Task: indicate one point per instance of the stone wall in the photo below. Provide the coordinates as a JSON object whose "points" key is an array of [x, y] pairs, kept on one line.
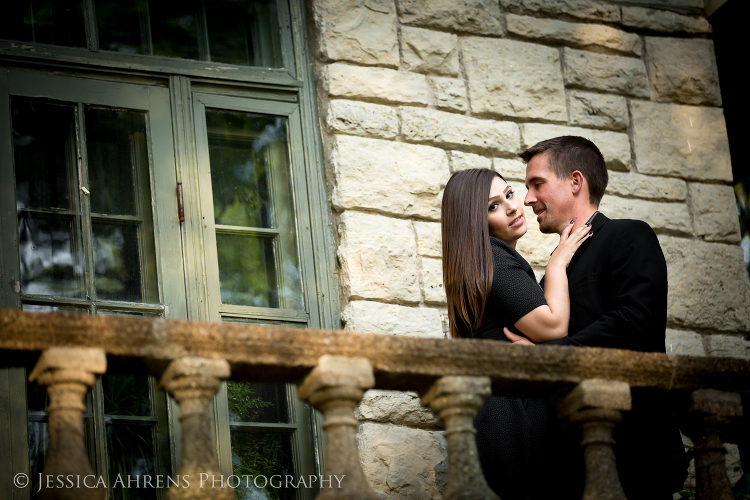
{"points": [[413, 90]]}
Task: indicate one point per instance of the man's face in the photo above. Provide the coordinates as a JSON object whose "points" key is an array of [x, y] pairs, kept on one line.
{"points": [[550, 197]]}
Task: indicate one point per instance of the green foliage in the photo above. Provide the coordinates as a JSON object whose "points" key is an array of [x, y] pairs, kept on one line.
{"points": [[244, 405]]}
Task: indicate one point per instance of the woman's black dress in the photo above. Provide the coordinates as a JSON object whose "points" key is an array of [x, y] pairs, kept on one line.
{"points": [[521, 442]]}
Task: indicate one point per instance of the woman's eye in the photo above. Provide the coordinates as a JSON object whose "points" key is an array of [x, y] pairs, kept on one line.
{"points": [[493, 207], [509, 195]]}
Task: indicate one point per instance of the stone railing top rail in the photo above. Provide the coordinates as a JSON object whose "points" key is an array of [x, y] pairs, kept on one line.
{"points": [[277, 354]]}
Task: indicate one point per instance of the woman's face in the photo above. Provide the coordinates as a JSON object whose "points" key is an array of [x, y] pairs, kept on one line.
{"points": [[505, 213]]}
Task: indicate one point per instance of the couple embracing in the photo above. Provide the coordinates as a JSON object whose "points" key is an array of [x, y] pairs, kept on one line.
{"points": [[605, 286]]}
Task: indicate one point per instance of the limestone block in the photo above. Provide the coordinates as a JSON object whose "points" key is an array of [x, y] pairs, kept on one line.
{"points": [[714, 209], [680, 5], [391, 177], [382, 84], [374, 317], [363, 32], [403, 463], [378, 258], [429, 239], [683, 70], [463, 161], [672, 217], [615, 146], [727, 346], [432, 279], [453, 130], [501, 82], [534, 246], [469, 16], [449, 93], [664, 21], [632, 185], [582, 9], [395, 407], [682, 343], [426, 51], [581, 35], [621, 75], [362, 118], [512, 170], [708, 285], [734, 463], [681, 141], [598, 110]]}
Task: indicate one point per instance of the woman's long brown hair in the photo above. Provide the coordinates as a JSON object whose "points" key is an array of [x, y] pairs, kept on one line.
{"points": [[467, 254]]}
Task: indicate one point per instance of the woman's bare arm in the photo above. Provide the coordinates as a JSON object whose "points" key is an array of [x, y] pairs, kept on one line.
{"points": [[550, 321]]}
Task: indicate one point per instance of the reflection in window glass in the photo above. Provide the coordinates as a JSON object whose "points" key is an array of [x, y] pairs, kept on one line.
{"points": [[261, 454], [126, 395], [242, 32], [251, 186], [255, 402], [50, 255], [130, 450], [44, 154], [56, 22]]}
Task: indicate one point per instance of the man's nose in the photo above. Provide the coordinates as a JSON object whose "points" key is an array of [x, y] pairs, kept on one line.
{"points": [[530, 199]]}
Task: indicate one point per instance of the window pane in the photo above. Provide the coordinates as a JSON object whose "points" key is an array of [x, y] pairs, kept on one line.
{"points": [[123, 26], [253, 402], [265, 454], [244, 32], [117, 159], [241, 170], [44, 155], [117, 264], [126, 395], [38, 443], [130, 450], [247, 273], [50, 255], [174, 28], [58, 22]]}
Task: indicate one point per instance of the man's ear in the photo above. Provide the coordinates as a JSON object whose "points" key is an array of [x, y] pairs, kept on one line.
{"points": [[577, 181]]}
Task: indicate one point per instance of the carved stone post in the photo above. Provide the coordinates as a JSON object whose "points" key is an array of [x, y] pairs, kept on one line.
{"points": [[193, 382], [709, 414], [456, 400], [68, 372], [596, 406], [335, 387]]}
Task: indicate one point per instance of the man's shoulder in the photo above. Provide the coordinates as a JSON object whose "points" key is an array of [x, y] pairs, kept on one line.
{"points": [[629, 227]]}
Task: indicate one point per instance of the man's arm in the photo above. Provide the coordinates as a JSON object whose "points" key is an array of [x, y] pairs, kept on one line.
{"points": [[638, 290]]}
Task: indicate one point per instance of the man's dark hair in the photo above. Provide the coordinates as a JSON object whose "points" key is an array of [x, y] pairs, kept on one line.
{"points": [[569, 153]]}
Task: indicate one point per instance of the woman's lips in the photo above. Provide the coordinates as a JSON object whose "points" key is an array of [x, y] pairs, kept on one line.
{"points": [[517, 221]]}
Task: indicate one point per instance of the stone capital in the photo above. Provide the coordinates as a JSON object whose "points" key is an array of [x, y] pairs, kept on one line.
{"points": [[596, 393]]}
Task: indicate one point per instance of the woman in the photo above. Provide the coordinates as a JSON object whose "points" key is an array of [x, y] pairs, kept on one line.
{"points": [[489, 286]]}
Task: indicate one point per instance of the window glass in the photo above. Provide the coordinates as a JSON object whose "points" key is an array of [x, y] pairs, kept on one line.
{"points": [[52, 216], [253, 210], [56, 22], [262, 455], [242, 32]]}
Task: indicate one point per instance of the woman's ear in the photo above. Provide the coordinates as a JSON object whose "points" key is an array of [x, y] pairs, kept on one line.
{"points": [[577, 181]]}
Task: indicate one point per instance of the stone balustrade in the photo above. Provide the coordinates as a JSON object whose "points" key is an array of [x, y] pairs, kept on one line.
{"points": [[334, 368]]}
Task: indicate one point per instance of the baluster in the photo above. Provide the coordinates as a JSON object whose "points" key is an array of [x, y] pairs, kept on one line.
{"points": [[709, 413], [334, 387], [68, 372], [193, 382], [596, 406], [456, 400]]}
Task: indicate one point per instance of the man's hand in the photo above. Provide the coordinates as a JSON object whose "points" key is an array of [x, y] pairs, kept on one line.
{"points": [[517, 339]]}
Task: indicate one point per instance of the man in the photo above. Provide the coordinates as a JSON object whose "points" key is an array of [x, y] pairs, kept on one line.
{"points": [[617, 282]]}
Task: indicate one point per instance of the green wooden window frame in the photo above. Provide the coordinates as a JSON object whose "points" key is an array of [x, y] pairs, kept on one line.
{"points": [[171, 91]]}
